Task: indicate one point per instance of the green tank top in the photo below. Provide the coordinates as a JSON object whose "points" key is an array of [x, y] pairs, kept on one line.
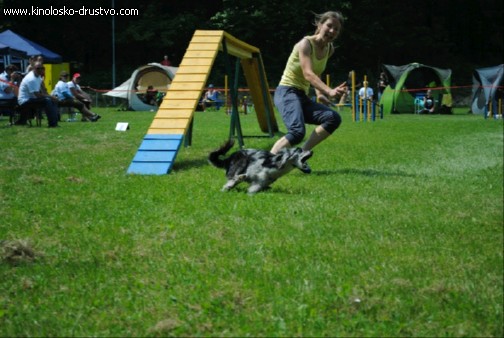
{"points": [[293, 74]]}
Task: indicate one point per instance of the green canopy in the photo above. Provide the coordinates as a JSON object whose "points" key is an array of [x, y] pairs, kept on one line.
{"points": [[410, 81]]}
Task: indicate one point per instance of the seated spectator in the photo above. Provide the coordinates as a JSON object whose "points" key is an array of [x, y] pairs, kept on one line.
{"points": [[32, 96], [77, 91], [31, 63], [428, 103], [366, 93], [9, 82], [150, 96], [7, 72], [211, 97], [66, 99], [159, 97]]}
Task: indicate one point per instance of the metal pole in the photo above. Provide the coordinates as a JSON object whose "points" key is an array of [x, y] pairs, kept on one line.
{"points": [[353, 100], [113, 55]]}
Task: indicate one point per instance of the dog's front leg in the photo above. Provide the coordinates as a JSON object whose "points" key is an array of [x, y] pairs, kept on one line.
{"points": [[233, 182], [254, 188]]}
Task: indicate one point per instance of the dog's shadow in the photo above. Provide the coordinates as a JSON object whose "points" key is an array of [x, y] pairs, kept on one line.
{"points": [[299, 190], [198, 163], [362, 172], [271, 190], [190, 164]]}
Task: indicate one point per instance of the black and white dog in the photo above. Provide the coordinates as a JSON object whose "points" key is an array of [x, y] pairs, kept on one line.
{"points": [[260, 168]]}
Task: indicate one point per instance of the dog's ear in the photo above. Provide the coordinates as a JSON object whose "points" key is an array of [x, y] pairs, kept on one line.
{"points": [[294, 152], [280, 159], [305, 155]]}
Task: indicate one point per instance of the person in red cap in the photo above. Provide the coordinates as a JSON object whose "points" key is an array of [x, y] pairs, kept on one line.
{"points": [[77, 91], [66, 99]]}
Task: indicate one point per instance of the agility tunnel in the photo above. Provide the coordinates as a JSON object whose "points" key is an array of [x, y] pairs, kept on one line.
{"points": [[172, 122]]}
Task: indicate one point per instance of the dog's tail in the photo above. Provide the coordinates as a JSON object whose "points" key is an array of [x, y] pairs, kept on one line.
{"points": [[214, 157]]}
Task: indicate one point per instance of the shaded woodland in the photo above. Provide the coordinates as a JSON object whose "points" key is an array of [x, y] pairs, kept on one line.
{"points": [[461, 35]]}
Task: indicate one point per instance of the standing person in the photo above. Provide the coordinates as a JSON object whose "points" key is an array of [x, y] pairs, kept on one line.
{"points": [[31, 94], [366, 93], [166, 61], [306, 63], [382, 84]]}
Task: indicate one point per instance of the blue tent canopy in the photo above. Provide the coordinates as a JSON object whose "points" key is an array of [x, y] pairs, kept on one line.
{"points": [[6, 50], [9, 55], [16, 41]]}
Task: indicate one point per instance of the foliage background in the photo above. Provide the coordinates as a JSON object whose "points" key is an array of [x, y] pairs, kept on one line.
{"points": [[461, 35]]}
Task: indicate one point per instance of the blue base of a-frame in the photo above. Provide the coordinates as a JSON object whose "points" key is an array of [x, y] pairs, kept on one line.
{"points": [[156, 154]]}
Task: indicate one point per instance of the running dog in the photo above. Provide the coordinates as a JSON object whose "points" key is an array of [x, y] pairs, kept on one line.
{"points": [[260, 168]]}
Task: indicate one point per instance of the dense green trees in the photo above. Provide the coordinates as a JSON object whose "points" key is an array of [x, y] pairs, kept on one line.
{"points": [[456, 34]]}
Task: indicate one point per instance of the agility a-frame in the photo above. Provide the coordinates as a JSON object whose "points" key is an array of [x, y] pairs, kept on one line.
{"points": [[173, 122]]}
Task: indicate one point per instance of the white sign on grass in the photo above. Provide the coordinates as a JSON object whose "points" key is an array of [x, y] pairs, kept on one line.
{"points": [[122, 126]]}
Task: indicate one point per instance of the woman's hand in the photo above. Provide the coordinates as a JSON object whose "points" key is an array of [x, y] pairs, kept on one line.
{"points": [[338, 91]]}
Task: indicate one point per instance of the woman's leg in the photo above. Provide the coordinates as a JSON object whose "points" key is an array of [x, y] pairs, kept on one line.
{"points": [[288, 101], [326, 120], [317, 136], [281, 143]]}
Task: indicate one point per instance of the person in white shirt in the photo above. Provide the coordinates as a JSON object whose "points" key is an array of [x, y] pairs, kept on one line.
{"points": [[211, 97], [31, 95], [77, 91], [366, 93], [66, 99], [8, 87], [9, 81]]}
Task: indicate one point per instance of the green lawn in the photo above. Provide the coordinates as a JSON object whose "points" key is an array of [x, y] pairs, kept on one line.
{"points": [[397, 232]]}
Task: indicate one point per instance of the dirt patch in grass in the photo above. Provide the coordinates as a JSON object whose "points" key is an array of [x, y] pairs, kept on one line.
{"points": [[18, 251]]}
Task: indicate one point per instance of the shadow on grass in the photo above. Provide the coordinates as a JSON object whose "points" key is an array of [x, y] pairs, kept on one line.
{"points": [[190, 164], [363, 172], [271, 190]]}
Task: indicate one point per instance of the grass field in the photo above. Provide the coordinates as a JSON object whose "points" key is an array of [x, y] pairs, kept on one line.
{"points": [[397, 232]]}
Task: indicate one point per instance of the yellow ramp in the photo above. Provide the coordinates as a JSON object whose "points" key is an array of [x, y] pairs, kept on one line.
{"points": [[164, 136], [178, 106]]}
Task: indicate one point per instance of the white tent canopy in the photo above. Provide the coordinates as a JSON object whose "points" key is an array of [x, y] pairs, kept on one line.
{"points": [[152, 74], [485, 84]]}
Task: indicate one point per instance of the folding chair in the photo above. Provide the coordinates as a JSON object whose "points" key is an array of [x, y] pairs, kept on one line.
{"points": [[27, 113], [419, 102]]}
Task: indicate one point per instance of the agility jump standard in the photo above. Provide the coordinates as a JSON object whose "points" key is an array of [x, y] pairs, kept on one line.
{"points": [[173, 121], [366, 108]]}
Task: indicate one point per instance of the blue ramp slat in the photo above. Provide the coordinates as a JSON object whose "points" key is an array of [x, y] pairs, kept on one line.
{"points": [[164, 137], [149, 168], [160, 145], [154, 156]]}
